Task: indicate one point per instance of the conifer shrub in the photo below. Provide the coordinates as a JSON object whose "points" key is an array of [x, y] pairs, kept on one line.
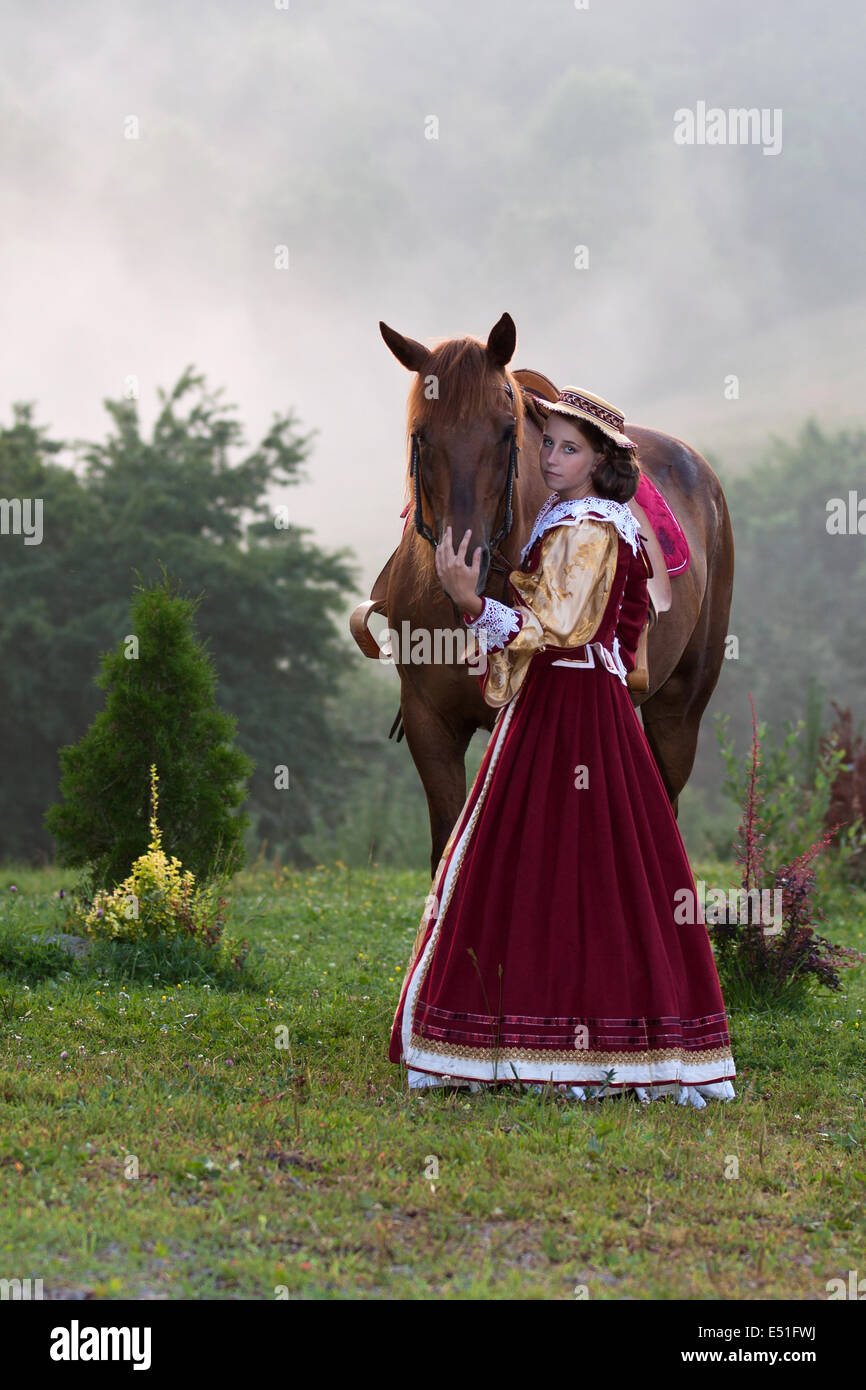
{"points": [[160, 709]]}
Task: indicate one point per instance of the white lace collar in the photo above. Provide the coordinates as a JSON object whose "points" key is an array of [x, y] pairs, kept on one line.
{"points": [[554, 511]]}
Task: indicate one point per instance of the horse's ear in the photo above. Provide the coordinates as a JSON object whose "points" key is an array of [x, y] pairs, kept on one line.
{"points": [[502, 341], [412, 355]]}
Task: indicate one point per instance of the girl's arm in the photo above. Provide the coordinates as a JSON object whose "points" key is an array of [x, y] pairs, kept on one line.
{"points": [[635, 606], [559, 604]]}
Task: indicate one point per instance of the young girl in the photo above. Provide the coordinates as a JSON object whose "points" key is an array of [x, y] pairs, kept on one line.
{"points": [[563, 940]]}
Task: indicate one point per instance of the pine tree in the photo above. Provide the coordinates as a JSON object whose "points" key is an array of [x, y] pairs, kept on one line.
{"points": [[159, 709]]}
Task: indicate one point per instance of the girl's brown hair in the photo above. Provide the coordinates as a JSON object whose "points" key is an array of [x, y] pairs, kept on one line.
{"points": [[618, 475]]}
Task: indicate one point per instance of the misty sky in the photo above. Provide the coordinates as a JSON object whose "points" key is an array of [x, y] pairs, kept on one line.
{"points": [[305, 126]]}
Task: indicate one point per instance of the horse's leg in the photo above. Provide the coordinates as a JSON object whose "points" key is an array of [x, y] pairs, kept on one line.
{"points": [[672, 733], [672, 716], [438, 751]]}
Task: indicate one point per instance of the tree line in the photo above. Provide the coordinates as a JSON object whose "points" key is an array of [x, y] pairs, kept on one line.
{"points": [[271, 608]]}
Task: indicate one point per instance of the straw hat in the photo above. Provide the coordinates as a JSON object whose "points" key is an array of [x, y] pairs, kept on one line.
{"points": [[583, 405]]}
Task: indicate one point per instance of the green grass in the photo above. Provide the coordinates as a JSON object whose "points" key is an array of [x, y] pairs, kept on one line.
{"points": [[308, 1167]]}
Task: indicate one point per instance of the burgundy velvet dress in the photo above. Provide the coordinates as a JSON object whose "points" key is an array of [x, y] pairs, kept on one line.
{"points": [[554, 946]]}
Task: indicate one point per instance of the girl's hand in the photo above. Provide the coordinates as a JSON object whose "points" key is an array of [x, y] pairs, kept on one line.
{"points": [[458, 579]]}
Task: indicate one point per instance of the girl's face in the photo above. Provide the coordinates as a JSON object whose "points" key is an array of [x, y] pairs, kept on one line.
{"points": [[567, 458]]}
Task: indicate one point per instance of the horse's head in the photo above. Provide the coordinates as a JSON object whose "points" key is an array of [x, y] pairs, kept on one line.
{"points": [[465, 419]]}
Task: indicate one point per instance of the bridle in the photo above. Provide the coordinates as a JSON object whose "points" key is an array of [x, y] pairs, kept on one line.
{"points": [[503, 529]]}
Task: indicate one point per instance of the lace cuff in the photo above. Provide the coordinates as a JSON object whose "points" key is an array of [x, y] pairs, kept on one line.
{"points": [[499, 622]]}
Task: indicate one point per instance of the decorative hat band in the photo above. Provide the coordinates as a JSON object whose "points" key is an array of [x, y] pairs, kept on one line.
{"points": [[607, 416], [584, 405]]}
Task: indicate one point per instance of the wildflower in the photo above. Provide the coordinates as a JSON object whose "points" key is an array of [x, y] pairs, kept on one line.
{"points": [[157, 897]]}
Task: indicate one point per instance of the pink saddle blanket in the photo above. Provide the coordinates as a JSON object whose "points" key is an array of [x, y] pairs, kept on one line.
{"points": [[675, 547]]}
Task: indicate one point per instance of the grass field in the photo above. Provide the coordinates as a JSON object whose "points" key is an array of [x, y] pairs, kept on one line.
{"points": [[308, 1171]]}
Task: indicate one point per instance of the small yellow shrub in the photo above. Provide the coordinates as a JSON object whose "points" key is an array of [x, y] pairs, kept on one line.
{"points": [[156, 898]]}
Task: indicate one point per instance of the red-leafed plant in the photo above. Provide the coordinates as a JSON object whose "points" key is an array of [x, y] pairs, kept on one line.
{"points": [[766, 966], [847, 800]]}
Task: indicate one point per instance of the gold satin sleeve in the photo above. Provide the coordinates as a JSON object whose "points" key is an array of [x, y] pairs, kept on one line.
{"points": [[562, 602]]}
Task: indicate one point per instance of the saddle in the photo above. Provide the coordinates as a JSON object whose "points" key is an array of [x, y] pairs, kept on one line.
{"points": [[665, 542]]}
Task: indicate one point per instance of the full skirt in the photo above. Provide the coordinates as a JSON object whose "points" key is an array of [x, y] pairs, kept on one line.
{"points": [[563, 940]]}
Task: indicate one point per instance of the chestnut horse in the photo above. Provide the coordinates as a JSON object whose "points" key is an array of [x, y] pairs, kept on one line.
{"points": [[465, 407]]}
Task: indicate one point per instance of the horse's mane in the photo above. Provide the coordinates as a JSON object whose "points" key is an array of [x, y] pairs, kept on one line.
{"points": [[468, 385]]}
